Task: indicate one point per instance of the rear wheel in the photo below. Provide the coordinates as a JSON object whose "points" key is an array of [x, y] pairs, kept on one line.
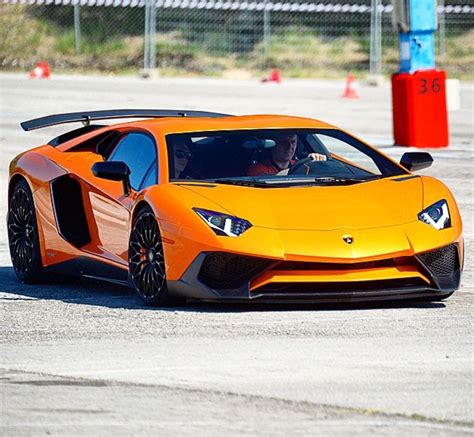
{"points": [[23, 237], [146, 260]]}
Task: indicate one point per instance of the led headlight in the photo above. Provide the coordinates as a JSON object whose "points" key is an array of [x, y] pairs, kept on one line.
{"points": [[436, 215], [223, 224]]}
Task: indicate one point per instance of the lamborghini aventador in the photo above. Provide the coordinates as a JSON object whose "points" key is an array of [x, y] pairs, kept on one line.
{"points": [[210, 206]]}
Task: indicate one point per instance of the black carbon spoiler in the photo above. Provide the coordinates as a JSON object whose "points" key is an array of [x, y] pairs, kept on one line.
{"points": [[87, 117]]}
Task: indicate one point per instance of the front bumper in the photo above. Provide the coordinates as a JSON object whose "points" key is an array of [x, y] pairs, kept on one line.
{"points": [[221, 276]]}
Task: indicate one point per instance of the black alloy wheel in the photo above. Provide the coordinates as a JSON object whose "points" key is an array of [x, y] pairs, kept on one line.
{"points": [[146, 260], [23, 235]]}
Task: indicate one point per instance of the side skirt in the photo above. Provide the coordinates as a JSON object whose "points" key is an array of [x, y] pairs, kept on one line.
{"points": [[90, 268]]}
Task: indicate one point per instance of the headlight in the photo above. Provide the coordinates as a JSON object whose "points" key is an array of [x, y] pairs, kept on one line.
{"points": [[436, 215], [223, 224]]}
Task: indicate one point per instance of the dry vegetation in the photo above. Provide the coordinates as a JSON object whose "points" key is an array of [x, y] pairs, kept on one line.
{"points": [[27, 40]]}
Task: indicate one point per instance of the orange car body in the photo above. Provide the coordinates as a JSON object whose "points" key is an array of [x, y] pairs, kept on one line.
{"points": [[297, 242]]}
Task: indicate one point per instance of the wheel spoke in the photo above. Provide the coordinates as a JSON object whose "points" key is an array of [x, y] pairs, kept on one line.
{"points": [[159, 269], [135, 245], [22, 257], [29, 243], [147, 280], [16, 217], [141, 237], [138, 272], [14, 227], [158, 278], [16, 239]]}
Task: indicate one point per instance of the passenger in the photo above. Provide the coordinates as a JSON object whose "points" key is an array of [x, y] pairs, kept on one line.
{"points": [[182, 155], [281, 157]]}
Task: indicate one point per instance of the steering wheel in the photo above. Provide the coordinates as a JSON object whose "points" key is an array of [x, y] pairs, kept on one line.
{"points": [[298, 164]]}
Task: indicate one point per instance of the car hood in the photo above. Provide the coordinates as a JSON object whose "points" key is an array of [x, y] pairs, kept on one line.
{"points": [[379, 203]]}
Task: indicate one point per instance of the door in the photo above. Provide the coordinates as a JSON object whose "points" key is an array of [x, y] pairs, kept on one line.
{"points": [[111, 208]]}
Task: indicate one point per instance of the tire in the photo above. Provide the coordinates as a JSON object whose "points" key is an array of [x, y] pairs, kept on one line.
{"points": [[23, 236], [146, 261]]}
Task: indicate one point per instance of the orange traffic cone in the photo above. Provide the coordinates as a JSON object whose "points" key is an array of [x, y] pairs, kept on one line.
{"points": [[273, 77], [41, 71], [350, 91]]}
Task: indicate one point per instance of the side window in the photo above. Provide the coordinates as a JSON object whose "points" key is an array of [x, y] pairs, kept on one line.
{"points": [[346, 153], [151, 177], [138, 151]]}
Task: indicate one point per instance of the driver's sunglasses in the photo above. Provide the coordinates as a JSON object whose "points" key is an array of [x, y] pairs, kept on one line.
{"points": [[180, 154]]}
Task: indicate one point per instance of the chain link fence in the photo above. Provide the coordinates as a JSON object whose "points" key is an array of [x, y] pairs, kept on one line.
{"points": [[215, 37]]}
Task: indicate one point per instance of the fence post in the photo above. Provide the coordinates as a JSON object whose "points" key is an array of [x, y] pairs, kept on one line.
{"points": [[146, 37], [442, 28], [77, 27], [152, 28], [266, 34], [149, 43], [375, 37]]}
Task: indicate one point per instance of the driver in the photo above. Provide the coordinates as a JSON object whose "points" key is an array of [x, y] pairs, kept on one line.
{"points": [[182, 155], [281, 157]]}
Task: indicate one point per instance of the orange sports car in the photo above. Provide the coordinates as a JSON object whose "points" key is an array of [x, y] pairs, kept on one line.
{"points": [[189, 204]]}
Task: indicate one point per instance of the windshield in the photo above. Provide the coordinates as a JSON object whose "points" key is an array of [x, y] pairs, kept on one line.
{"points": [[271, 157]]}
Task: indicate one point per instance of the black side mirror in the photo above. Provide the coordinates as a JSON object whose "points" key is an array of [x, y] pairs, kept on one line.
{"points": [[113, 171], [414, 161]]}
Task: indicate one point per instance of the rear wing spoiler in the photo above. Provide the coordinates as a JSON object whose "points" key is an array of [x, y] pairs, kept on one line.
{"points": [[86, 117]]}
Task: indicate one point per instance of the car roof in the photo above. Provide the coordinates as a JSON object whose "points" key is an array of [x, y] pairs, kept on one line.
{"points": [[172, 125]]}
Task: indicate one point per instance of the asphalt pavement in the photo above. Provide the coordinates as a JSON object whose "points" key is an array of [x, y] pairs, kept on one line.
{"points": [[86, 358]]}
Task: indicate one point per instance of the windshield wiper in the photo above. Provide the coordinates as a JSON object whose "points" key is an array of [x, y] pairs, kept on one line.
{"points": [[265, 182], [288, 181], [344, 180], [336, 180], [250, 182]]}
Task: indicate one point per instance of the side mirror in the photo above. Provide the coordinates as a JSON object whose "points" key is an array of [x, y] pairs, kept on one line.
{"points": [[414, 161], [113, 171]]}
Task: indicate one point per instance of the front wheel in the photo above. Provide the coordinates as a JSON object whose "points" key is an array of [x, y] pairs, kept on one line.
{"points": [[146, 260]]}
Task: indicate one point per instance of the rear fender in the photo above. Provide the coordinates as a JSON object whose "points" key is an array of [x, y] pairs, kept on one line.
{"points": [[37, 170]]}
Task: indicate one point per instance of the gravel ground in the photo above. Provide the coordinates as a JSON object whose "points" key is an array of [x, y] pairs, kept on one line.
{"points": [[87, 358]]}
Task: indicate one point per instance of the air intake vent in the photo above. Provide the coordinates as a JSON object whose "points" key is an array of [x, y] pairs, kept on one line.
{"points": [[443, 261], [224, 270], [348, 288], [69, 210]]}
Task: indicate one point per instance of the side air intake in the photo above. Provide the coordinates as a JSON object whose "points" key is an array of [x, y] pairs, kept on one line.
{"points": [[69, 210], [442, 261]]}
